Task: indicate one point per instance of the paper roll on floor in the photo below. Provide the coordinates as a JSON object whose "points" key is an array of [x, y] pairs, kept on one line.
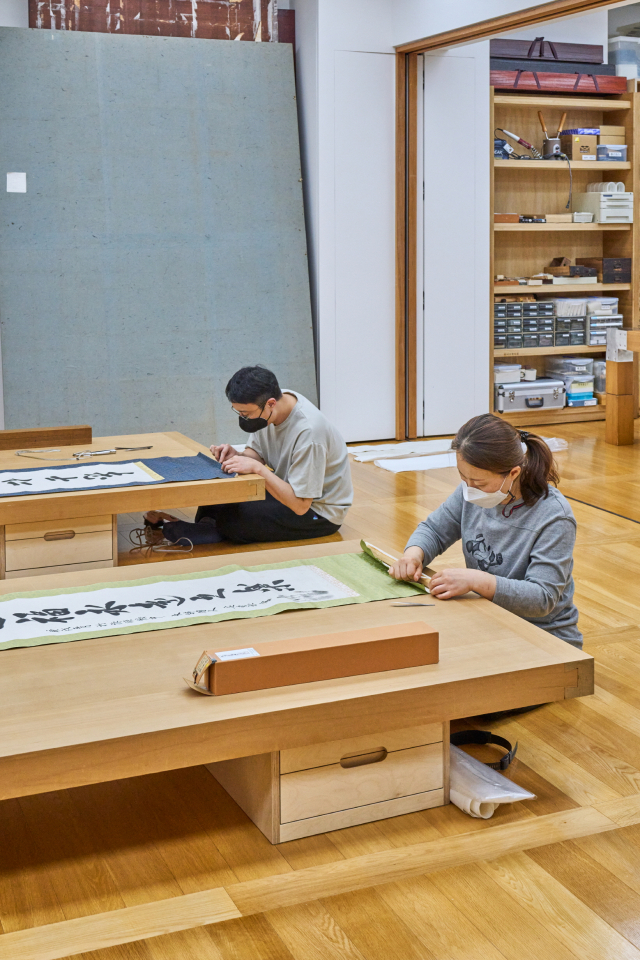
{"points": [[478, 789]]}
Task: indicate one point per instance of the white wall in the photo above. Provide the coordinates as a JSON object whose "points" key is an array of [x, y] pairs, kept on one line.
{"points": [[346, 92], [453, 355], [14, 13]]}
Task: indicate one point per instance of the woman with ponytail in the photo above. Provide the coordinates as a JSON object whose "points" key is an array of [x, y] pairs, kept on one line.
{"points": [[517, 530]]}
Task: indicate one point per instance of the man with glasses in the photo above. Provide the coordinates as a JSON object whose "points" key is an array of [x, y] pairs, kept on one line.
{"points": [[301, 456]]}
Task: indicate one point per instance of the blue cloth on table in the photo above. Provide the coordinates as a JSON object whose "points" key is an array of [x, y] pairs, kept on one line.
{"points": [[171, 469]]}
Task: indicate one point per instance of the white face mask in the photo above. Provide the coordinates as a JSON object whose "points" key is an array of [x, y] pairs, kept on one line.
{"points": [[483, 499]]}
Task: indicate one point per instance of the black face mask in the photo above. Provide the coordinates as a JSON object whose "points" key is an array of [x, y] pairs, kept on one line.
{"points": [[255, 424], [252, 426]]}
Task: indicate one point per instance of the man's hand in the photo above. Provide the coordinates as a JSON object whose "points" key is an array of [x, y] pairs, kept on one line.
{"points": [[455, 583], [408, 567], [236, 463], [223, 452]]}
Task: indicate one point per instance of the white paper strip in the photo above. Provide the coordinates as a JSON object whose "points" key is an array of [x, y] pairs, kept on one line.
{"points": [[418, 463], [119, 607], [383, 451], [86, 476]]}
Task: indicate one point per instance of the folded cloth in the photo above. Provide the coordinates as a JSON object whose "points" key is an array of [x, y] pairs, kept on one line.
{"points": [[205, 531]]}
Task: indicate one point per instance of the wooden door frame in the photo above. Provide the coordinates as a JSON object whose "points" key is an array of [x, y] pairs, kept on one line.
{"points": [[407, 181]]}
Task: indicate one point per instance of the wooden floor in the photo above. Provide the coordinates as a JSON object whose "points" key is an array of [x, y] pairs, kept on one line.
{"points": [[166, 867]]}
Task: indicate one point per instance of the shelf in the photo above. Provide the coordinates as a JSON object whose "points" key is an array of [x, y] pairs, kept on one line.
{"points": [[564, 288], [545, 351], [563, 103], [524, 418], [562, 164], [560, 227]]}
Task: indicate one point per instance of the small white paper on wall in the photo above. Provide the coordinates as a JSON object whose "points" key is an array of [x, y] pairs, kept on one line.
{"points": [[16, 183]]}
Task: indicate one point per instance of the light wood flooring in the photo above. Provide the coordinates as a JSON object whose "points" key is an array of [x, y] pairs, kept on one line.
{"points": [[166, 867]]}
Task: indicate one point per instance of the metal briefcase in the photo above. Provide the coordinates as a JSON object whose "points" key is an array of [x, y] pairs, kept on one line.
{"points": [[542, 394]]}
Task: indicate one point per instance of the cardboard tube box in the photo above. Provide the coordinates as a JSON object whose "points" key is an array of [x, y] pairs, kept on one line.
{"points": [[305, 659]]}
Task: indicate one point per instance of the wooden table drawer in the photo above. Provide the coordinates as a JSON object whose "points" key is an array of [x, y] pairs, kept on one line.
{"points": [[327, 789], [25, 553], [31, 531], [323, 754]]}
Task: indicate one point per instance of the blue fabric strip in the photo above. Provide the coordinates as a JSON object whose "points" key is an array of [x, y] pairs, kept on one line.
{"points": [[171, 469]]}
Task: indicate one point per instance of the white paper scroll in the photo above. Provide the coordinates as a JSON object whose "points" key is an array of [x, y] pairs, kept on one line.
{"points": [[86, 476], [176, 602]]}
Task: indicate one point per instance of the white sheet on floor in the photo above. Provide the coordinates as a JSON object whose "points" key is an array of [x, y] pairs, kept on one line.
{"points": [[435, 462], [383, 451]]}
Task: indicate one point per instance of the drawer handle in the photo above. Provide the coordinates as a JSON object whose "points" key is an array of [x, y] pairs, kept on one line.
{"points": [[60, 535], [362, 759]]}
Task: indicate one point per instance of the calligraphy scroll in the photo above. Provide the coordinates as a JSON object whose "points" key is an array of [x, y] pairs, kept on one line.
{"points": [[158, 603]]}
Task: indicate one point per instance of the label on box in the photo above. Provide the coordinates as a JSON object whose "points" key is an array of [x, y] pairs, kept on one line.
{"points": [[237, 654]]}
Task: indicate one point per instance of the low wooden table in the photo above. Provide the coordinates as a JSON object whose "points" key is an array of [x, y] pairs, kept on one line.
{"points": [[94, 710], [75, 531]]}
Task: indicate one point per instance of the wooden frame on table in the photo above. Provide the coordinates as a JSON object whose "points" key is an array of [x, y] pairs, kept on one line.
{"points": [[406, 180]]}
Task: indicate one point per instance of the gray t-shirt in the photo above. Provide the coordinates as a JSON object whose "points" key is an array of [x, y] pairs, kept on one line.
{"points": [[308, 453], [528, 549]]}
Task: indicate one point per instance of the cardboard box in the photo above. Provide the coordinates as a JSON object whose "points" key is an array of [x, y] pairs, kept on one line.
{"points": [[506, 218], [329, 656], [611, 141], [610, 269], [558, 217], [579, 146], [612, 131]]}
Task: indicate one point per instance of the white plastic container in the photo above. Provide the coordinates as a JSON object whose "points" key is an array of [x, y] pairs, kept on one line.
{"points": [[578, 384], [570, 307], [561, 366], [600, 376], [506, 372], [604, 306]]}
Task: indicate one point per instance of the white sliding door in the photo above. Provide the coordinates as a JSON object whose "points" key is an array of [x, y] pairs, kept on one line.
{"points": [[453, 249]]}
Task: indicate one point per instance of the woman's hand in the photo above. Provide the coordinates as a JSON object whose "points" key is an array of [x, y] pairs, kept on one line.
{"points": [[455, 583], [409, 566]]}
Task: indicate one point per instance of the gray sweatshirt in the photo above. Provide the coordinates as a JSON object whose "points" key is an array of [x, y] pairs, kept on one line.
{"points": [[528, 549]]}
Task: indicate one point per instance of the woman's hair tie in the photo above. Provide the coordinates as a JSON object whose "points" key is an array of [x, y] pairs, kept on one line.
{"points": [[524, 435]]}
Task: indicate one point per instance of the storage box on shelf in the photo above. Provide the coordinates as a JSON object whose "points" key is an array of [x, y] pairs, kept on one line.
{"points": [[539, 187]]}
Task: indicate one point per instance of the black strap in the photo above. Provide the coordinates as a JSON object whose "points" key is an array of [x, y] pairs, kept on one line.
{"points": [[593, 77], [482, 737], [540, 40]]}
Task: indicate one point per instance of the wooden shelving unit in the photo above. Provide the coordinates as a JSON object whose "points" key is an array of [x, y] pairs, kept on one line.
{"points": [[546, 351], [549, 166], [561, 227], [563, 289], [538, 187]]}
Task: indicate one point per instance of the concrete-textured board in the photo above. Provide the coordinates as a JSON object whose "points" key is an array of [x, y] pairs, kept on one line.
{"points": [[160, 244]]}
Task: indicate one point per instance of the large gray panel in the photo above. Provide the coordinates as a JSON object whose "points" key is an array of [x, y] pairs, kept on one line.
{"points": [[161, 244]]}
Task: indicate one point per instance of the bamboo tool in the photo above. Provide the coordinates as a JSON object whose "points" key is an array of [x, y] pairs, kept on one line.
{"points": [[388, 560], [561, 125]]}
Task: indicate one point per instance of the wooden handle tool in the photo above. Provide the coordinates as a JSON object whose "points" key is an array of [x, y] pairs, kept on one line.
{"points": [[561, 125], [542, 124]]}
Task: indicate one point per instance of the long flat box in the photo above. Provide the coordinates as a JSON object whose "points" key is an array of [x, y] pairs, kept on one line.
{"points": [[552, 66], [544, 50], [611, 131], [306, 659], [556, 82]]}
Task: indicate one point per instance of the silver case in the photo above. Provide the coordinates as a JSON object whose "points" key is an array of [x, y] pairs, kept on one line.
{"points": [[527, 395]]}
